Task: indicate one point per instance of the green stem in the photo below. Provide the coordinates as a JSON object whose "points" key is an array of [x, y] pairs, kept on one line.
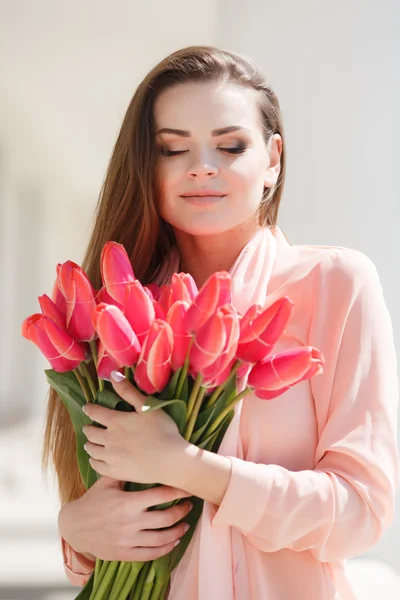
{"points": [[122, 575], [218, 391], [97, 569], [183, 374], [149, 583], [85, 372], [227, 409], [83, 385], [93, 348], [193, 395], [106, 581], [193, 416], [100, 576], [131, 583], [159, 589], [141, 581]]}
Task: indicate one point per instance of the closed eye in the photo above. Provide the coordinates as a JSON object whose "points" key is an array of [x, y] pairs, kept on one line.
{"points": [[238, 150]]}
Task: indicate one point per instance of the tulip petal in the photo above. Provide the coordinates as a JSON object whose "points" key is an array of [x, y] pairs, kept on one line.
{"points": [[116, 269]]}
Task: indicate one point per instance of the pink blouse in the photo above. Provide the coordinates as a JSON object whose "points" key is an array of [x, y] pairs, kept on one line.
{"points": [[318, 467]]}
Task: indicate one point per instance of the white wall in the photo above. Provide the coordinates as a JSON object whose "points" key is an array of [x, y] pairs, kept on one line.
{"points": [[68, 73]]}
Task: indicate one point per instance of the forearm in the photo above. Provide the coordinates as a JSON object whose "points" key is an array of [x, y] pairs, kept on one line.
{"points": [[204, 474]]}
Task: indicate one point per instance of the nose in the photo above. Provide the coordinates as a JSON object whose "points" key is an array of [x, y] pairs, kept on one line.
{"points": [[202, 168]]}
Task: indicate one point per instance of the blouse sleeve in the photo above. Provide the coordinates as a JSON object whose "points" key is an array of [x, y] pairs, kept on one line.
{"points": [[340, 508], [77, 567]]}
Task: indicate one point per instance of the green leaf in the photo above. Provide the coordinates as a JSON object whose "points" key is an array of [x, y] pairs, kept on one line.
{"points": [[222, 431], [192, 518], [110, 399], [169, 391], [209, 443], [70, 392]]}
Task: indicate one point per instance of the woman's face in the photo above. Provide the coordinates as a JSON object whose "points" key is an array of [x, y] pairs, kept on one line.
{"points": [[217, 148]]}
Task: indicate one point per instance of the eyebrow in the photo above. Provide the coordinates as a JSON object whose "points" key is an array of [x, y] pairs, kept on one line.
{"points": [[214, 133]]}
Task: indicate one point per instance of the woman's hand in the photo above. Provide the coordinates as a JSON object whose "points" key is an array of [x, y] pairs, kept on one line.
{"points": [[112, 524], [136, 446]]}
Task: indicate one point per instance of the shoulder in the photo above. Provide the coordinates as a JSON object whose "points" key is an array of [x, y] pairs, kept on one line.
{"points": [[340, 266]]}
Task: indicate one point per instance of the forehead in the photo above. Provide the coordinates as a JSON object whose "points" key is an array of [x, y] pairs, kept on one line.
{"points": [[212, 105]]}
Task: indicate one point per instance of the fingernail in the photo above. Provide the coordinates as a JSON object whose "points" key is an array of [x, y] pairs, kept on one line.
{"points": [[177, 542], [117, 376], [84, 408], [186, 528]]}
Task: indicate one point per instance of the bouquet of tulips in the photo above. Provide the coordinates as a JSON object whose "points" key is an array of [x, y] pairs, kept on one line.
{"points": [[183, 348]]}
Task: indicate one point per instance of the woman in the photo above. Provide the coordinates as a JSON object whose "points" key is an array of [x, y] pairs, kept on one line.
{"points": [[300, 483]]}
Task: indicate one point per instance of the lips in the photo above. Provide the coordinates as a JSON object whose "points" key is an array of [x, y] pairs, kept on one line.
{"points": [[202, 194]]}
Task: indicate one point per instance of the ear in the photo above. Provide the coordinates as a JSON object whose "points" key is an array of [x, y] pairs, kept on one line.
{"points": [[274, 165]]}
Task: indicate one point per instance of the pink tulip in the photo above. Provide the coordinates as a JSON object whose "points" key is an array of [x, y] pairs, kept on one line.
{"points": [[51, 310], [184, 287], [80, 300], [116, 333], [208, 344], [58, 298], [116, 270], [159, 312], [153, 290], [260, 329], [106, 363], [182, 339], [281, 371], [138, 309], [221, 367], [103, 296], [153, 369], [215, 292], [61, 350], [166, 298]]}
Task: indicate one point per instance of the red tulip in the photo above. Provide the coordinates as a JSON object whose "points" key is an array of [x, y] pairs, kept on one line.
{"points": [[106, 363], [61, 350], [166, 298], [215, 292], [182, 339], [116, 333], [153, 290], [184, 287], [220, 369], [276, 374], [116, 270], [103, 296], [51, 310], [208, 344], [58, 298], [80, 300], [260, 329], [153, 369], [138, 309]]}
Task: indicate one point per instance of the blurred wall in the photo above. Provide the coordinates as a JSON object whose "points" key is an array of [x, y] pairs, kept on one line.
{"points": [[68, 73]]}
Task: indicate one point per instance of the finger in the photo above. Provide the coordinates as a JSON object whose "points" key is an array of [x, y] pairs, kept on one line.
{"points": [[155, 539], [98, 413], [95, 451], [124, 388], [95, 434], [99, 466]]}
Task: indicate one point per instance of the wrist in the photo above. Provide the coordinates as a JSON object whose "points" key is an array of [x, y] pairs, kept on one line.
{"points": [[66, 521], [202, 473]]}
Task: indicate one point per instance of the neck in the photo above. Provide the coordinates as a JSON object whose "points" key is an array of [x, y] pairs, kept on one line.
{"points": [[201, 256]]}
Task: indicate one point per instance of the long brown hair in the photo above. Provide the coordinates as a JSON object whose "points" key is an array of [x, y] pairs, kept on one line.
{"points": [[126, 209]]}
